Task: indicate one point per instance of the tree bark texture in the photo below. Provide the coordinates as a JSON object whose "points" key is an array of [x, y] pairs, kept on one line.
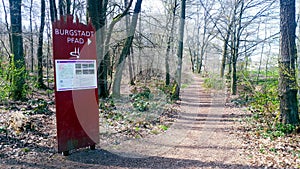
{"points": [[61, 6], [53, 10], [236, 44], [31, 36], [40, 47], [225, 49], [97, 13], [125, 50], [131, 76], [18, 79], [288, 54], [180, 50], [169, 43]]}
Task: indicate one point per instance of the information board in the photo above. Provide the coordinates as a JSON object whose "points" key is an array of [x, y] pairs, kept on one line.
{"points": [[76, 92], [75, 74]]}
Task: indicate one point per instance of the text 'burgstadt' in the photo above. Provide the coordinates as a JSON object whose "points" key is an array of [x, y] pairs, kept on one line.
{"points": [[73, 35]]}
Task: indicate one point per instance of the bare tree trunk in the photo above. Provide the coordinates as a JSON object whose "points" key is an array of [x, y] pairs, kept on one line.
{"points": [[288, 54], [233, 64], [40, 47], [198, 40], [18, 79], [64, 7], [48, 53], [298, 45], [107, 58], [125, 51], [140, 63], [97, 13], [53, 10], [180, 50], [131, 81], [170, 42], [225, 50], [234, 77], [103, 68], [203, 45], [192, 59], [68, 4], [61, 7], [130, 67], [229, 59], [31, 36], [133, 65], [236, 41]]}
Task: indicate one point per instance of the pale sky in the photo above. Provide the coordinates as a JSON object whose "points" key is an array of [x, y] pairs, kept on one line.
{"points": [[152, 6]]}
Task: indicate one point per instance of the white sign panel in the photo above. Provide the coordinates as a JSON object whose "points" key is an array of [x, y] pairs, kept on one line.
{"points": [[75, 74]]}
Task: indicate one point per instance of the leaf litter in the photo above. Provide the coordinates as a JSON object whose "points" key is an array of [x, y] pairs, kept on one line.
{"points": [[266, 149]]}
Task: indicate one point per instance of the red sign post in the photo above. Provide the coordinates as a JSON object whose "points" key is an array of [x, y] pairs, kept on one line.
{"points": [[77, 113]]}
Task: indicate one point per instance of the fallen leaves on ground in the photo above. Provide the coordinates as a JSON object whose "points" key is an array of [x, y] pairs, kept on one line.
{"points": [[265, 150]]}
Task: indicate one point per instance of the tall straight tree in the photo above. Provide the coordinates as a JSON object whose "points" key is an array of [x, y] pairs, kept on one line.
{"points": [[97, 14], [288, 54], [236, 37], [180, 50], [53, 10], [170, 40], [40, 47], [130, 64], [31, 36], [225, 45], [18, 76], [126, 49]]}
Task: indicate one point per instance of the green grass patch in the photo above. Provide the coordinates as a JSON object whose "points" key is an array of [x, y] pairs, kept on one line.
{"points": [[163, 127]]}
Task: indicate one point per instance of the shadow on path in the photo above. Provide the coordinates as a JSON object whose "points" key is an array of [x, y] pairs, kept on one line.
{"points": [[105, 158]]}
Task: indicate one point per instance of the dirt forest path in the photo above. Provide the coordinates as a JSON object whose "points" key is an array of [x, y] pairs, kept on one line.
{"points": [[201, 138]]}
